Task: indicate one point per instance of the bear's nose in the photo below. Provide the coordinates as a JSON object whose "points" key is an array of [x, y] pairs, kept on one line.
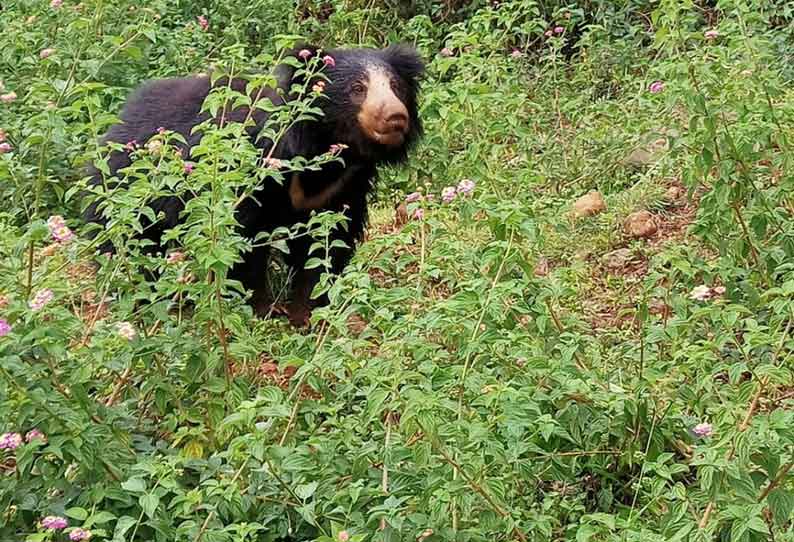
{"points": [[397, 120]]}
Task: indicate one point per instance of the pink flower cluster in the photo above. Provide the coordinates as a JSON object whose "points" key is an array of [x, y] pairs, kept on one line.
{"points": [[703, 292], [35, 434], [8, 97], [10, 441], [5, 327], [304, 54], [55, 4], [273, 163], [446, 52], [337, 148], [329, 61], [203, 22], [175, 257], [59, 230], [464, 188], [703, 430], [46, 53], [552, 31], [54, 523], [4, 145], [41, 298], [126, 330], [79, 534], [656, 87], [154, 146]]}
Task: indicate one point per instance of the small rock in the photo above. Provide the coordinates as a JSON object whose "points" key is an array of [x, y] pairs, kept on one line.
{"points": [[542, 267], [641, 224], [617, 259], [674, 193], [356, 324], [659, 308], [589, 204], [654, 145], [268, 368]]}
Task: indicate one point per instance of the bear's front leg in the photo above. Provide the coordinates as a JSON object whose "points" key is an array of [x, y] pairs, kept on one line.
{"points": [[304, 280]]}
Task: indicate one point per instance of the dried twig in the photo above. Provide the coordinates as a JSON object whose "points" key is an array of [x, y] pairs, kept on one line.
{"points": [[774, 483]]}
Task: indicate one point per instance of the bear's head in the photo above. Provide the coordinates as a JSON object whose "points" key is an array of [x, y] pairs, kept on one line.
{"points": [[369, 100]]}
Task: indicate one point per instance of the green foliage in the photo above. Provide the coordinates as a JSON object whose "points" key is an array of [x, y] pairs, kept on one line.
{"points": [[482, 373]]}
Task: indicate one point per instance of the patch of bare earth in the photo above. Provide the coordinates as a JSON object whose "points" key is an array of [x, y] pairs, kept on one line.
{"points": [[267, 371], [618, 275]]}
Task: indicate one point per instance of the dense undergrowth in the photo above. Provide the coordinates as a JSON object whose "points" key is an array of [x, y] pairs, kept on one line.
{"points": [[492, 367]]}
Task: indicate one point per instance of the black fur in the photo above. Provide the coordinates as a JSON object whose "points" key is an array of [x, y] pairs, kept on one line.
{"points": [[175, 104]]}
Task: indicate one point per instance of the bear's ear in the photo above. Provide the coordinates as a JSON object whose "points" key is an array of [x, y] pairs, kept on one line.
{"points": [[405, 60]]}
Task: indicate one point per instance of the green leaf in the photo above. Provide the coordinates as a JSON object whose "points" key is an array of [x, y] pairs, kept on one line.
{"points": [[122, 526], [758, 525], [781, 502], [604, 519], [744, 487], [313, 262], [77, 513], [99, 518], [305, 491], [149, 503], [738, 530], [584, 532], [134, 485], [194, 449]]}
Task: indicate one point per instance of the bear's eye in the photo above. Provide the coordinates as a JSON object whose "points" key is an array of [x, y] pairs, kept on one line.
{"points": [[358, 88]]}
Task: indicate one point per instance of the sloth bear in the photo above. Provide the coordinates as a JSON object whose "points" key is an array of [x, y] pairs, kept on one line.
{"points": [[369, 110]]}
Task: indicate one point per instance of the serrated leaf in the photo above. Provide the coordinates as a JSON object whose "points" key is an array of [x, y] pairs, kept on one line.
{"points": [[744, 487], [758, 525], [781, 502], [738, 529]]}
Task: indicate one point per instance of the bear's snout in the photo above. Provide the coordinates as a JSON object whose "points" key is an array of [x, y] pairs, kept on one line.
{"points": [[391, 124], [397, 120], [383, 117]]}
